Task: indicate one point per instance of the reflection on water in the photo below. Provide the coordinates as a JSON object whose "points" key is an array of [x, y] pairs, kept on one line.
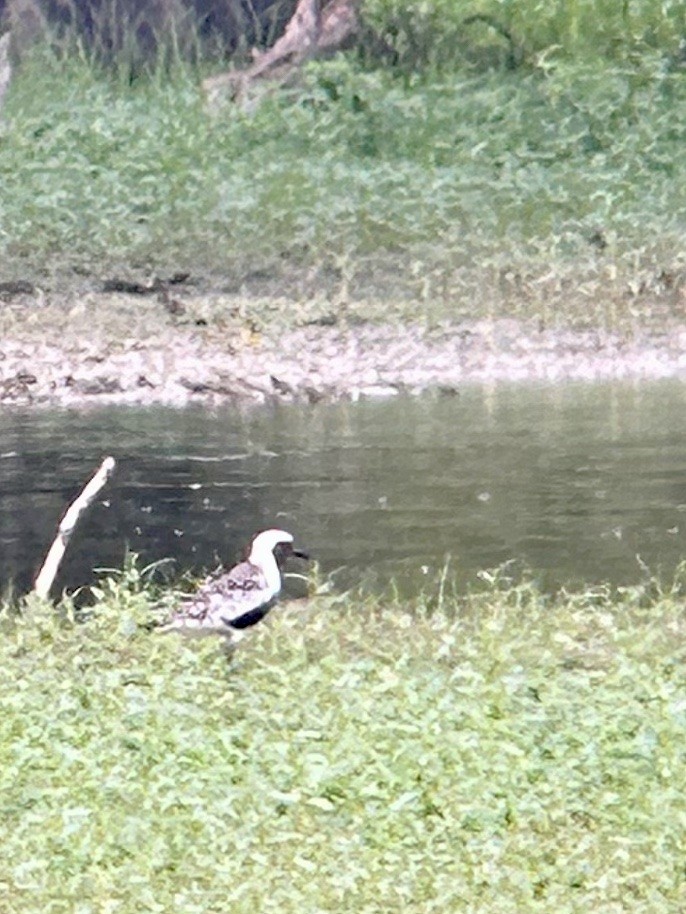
{"points": [[573, 480]]}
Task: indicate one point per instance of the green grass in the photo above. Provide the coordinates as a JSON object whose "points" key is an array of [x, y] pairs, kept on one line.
{"points": [[551, 192], [500, 751], [443, 33]]}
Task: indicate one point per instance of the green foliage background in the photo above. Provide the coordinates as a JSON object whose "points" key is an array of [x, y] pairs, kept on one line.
{"points": [[445, 176], [450, 32]]}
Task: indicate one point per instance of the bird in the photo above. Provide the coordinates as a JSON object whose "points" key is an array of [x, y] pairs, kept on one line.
{"points": [[228, 602]]}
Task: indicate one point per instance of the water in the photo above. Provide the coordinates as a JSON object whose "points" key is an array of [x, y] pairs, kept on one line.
{"points": [[573, 480]]}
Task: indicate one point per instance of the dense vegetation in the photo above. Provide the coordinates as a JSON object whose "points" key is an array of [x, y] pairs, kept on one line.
{"points": [[455, 178], [495, 752], [454, 32], [503, 751]]}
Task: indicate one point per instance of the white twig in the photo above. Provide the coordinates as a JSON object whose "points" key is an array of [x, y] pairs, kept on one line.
{"points": [[67, 525]]}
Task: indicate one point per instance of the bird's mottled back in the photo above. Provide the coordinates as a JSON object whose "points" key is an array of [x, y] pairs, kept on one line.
{"points": [[237, 598], [228, 594]]}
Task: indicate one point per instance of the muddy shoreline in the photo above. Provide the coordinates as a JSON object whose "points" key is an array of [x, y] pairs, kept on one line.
{"points": [[87, 364]]}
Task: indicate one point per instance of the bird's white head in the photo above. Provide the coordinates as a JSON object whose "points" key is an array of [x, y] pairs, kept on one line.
{"points": [[264, 543]]}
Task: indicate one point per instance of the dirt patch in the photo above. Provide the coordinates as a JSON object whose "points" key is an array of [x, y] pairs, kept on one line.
{"points": [[104, 349]]}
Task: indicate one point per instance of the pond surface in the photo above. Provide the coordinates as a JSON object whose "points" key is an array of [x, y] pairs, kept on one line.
{"points": [[574, 481]]}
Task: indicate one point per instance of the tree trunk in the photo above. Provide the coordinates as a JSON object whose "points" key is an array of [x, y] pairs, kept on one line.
{"points": [[311, 32]]}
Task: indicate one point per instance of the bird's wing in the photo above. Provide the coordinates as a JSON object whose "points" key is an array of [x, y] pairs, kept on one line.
{"points": [[223, 599]]}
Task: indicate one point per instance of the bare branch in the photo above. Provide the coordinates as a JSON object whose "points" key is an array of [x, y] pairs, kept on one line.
{"points": [[46, 575], [312, 31], [5, 65]]}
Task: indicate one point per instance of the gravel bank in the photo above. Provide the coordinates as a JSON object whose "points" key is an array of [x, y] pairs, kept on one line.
{"points": [[311, 364]]}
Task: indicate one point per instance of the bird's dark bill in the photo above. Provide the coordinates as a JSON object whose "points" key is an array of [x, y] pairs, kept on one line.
{"points": [[286, 550]]}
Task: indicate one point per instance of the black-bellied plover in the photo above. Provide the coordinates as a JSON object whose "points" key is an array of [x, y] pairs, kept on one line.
{"points": [[236, 599]]}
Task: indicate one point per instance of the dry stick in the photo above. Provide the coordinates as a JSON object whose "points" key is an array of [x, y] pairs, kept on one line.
{"points": [[67, 525]]}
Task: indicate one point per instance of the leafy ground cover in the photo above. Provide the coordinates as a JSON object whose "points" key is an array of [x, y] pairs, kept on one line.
{"points": [[500, 751], [554, 191]]}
